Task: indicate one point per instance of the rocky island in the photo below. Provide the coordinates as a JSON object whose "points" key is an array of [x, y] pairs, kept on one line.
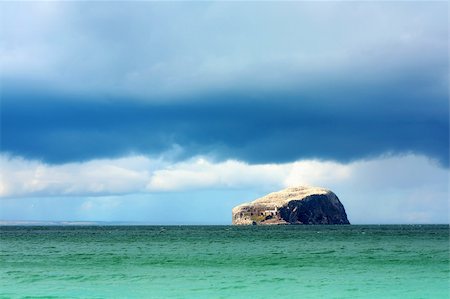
{"points": [[298, 205]]}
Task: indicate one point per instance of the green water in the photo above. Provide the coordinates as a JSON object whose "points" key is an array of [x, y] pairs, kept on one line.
{"points": [[225, 262]]}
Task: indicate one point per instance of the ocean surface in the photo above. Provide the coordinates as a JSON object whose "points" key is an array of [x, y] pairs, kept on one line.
{"points": [[398, 261]]}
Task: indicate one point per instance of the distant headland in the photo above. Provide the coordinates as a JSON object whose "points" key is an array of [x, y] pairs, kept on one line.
{"points": [[298, 205]]}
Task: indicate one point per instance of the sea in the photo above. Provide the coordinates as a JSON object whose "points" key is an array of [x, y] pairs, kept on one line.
{"points": [[346, 261]]}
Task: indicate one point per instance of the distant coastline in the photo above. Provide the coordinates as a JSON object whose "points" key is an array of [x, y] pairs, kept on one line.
{"points": [[68, 223], [143, 223]]}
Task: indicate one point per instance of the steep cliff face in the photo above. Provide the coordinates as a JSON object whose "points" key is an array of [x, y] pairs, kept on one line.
{"points": [[299, 205]]}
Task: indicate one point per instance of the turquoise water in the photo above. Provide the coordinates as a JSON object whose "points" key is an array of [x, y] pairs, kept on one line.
{"points": [[225, 262]]}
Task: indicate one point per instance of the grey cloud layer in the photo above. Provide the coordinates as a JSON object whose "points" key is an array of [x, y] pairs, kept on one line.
{"points": [[162, 49]]}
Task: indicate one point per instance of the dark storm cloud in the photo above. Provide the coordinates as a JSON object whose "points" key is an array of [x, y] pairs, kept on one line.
{"points": [[250, 126]]}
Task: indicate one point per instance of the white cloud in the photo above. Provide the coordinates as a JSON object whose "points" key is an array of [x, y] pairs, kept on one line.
{"points": [[20, 177], [201, 173], [321, 173]]}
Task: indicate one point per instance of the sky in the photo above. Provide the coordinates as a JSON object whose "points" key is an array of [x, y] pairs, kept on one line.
{"points": [[174, 112]]}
